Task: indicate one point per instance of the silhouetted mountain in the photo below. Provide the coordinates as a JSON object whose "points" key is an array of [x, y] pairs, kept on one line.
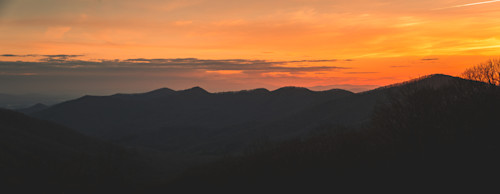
{"points": [[194, 91], [438, 128], [191, 119], [350, 111], [292, 91], [19, 101], [159, 93], [35, 108], [196, 121], [353, 88]]}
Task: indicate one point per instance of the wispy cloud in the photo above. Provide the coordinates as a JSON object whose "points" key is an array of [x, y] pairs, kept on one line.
{"points": [[17, 74], [469, 4], [37, 55]]}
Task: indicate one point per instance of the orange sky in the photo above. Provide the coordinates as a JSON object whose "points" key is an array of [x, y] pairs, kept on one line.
{"points": [[373, 42]]}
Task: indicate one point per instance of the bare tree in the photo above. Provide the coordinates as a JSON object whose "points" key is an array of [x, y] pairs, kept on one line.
{"points": [[488, 72]]}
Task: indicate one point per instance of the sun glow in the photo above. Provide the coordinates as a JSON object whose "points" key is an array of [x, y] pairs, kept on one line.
{"points": [[367, 42]]}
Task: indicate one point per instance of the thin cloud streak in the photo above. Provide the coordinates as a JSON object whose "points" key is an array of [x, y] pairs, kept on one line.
{"points": [[58, 62], [468, 4]]}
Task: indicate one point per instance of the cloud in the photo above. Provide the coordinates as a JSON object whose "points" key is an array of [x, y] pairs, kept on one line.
{"points": [[3, 5], [226, 72], [13, 55], [399, 66], [8, 55], [58, 58], [365, 72], [63, 56], [55, 62], [231, 64], [36, 55], [62, 73], [46, 58], [429, 59], [17, 74], [469, 4]]}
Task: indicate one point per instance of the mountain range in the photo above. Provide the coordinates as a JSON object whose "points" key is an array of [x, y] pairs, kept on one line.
{"points": [[22, 101], [197, 121], [147, 140]]}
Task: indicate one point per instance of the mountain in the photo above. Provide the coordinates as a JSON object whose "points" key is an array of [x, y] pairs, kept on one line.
{"points": [[433, 128], [197, 121], [353, 88], [35, 108], [19, 101], [191, 119], [349, 111]]}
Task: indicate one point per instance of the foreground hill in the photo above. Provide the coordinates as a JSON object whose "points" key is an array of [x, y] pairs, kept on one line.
{"points": [[40, 155], [354, 110], [427, 137]]}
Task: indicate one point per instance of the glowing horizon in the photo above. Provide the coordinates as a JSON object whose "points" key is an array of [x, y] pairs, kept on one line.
{"points": [[301, 43]]}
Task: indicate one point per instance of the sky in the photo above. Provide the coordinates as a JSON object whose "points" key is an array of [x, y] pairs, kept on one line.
{"points": [[125, 46]]}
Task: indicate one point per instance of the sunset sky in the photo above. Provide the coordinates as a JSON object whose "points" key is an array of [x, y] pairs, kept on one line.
{"points": [[109, 46]]}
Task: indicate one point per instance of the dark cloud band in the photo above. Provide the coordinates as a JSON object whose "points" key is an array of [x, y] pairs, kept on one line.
{"points": [[60, 62]]}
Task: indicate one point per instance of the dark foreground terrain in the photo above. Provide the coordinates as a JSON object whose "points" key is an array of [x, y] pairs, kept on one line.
{"points": [[423, 140], [437, 134]]}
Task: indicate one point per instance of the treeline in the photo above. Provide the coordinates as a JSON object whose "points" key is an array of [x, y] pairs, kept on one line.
{"points": [[424, 139]]}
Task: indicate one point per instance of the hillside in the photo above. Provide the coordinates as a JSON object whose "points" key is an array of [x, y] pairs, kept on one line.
{"points": [[50, 157], [425, 138], [351, 111]]}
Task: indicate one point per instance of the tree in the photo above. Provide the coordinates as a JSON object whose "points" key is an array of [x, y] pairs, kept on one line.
{"points": [[488, 72]]}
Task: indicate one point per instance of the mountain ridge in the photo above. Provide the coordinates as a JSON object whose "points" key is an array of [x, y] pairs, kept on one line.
{"points": [[194, 120]]}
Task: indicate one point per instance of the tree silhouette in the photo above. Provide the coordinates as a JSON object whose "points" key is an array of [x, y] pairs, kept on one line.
{"points": [[488, 72]]}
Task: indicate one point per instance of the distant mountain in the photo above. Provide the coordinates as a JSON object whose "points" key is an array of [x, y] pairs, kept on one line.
{"points": [[192, 119], [353, 88], [196, 121], [35, 108], [19, 101]]}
